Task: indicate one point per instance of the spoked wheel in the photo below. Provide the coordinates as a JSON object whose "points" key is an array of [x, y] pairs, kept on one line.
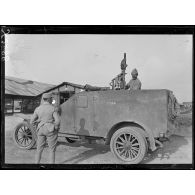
{"points": [[24, 136], [129, 145]]}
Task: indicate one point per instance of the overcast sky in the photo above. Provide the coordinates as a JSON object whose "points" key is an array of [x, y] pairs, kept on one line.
{"points": [[162, 61]]}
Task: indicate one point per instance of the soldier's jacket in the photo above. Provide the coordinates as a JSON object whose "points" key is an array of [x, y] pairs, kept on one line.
{"points": [[46, 114], [134, 84]]}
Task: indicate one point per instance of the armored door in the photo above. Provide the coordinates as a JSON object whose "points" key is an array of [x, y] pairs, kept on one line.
{"points": [[83, 115]]}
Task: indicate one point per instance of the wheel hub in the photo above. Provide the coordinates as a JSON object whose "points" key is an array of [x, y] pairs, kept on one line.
{"points": [[24, 135], [127, 146]]}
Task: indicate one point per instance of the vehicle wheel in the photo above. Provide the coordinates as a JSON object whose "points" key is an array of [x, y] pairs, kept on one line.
{"points": [[129, 145], [24, 136], [69, 140]]}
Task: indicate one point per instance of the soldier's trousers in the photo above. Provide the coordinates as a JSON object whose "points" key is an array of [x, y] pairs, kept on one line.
{"points": [[43, 135]]}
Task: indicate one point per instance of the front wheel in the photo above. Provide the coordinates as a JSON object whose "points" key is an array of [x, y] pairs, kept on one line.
{"points": [[24, 136], [129, 145]]}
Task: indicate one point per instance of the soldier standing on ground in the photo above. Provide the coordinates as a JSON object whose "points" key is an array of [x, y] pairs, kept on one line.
{"points": [[48, 124], [134, 83]]}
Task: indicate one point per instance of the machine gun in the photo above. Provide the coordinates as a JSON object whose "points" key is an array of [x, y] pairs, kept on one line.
{"points": [[118, 82]]}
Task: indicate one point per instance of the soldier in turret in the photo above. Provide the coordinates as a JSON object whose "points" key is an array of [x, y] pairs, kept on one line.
{"points": [[134, 83]]}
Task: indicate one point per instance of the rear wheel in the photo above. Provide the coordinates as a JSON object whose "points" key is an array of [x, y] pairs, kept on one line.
{"points": [[24, 136], [129, 145]]}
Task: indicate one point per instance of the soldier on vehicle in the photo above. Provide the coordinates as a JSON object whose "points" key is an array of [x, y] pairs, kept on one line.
{"points": [[134, 83], [48, 124]]}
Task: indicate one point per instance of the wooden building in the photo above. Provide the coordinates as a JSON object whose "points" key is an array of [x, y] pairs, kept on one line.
{"points": [[20, 94], [63, 91], [25, 95]]}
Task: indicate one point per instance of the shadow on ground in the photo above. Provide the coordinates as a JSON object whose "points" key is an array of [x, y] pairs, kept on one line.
{"points": [[90, 151], [170, 147]]}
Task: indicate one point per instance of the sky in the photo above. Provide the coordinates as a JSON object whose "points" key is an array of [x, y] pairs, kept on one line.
{"points": [[162, 61]]}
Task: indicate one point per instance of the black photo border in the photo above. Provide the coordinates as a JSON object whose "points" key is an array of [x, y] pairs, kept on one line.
{"points": [[89, 29]]}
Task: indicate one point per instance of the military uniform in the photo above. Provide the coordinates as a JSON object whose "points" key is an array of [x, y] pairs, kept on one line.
{"points": [[48, 123], [134, 83]]}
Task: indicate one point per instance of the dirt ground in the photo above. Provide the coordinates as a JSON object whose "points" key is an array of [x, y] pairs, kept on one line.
{"points": [[176, 151]]}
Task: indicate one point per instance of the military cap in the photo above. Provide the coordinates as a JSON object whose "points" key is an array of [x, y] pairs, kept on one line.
{"points": [[47, 95], [134, 71]]}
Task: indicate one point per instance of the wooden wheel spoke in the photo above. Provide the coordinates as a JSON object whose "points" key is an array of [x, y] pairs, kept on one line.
{"points": [[27, 131], [133, 140], [121, 139], [124, 154], [120, 143], [135, 149], [134, 153], [119, 147], [28, 140], [24, 141], [20, 131], [20, 135], [136, 144], [129, 138], [121, 152], [23, 128], [131, 156], [20, 139], [125, 135], [29, 134], [127, 154]]}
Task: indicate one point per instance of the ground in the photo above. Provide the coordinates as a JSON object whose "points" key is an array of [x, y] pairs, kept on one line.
{"points": [[176, 151]]}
